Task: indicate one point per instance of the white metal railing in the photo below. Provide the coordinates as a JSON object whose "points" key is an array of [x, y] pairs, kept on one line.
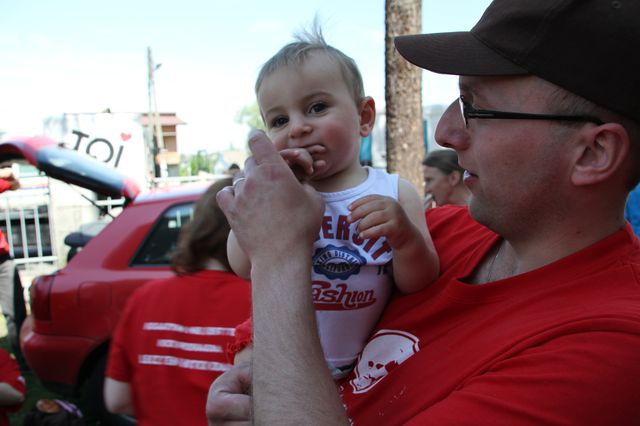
{"points": [[161, 182], [25, 217], [25, 223]]}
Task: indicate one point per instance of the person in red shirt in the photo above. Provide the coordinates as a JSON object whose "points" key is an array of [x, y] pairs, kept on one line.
{"points": [[9, 278], [12, 387], [535, 318], [169, 344]]}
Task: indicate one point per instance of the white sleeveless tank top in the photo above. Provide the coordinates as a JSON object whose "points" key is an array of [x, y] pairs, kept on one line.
{"points": [[352, 279]]}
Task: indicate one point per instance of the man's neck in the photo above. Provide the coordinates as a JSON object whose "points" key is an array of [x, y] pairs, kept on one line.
{"points": [[512, 256]]}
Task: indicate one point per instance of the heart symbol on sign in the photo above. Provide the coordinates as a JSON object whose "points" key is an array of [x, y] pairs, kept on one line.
{"points": [[125, 136]]}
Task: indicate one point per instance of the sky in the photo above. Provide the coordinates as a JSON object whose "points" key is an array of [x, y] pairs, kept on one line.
{"points": [[70, 56]]}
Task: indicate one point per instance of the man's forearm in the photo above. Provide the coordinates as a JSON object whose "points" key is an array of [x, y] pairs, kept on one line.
{"points": [[291, 381]]}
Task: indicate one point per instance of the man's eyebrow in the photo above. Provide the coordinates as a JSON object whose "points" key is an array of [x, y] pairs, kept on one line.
{"points": [[466, 87], [473, 90]]}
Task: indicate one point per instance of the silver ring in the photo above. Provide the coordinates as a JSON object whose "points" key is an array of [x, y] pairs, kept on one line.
{"points": [[235, 182]]}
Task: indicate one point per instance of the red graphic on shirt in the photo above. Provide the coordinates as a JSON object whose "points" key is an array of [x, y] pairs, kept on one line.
{"points": [[326, 297], [386, 350], [341, 229]]}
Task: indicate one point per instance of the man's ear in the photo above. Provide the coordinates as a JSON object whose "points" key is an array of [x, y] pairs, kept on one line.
{"points": [[602, 152], [367, 112]]}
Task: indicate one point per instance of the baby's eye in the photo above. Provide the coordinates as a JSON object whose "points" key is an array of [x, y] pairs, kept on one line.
{"points": [[279, 121], [318, 107]]}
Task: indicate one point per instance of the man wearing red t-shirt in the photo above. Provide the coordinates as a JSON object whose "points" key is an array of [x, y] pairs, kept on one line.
{"points": [[535, 318]]}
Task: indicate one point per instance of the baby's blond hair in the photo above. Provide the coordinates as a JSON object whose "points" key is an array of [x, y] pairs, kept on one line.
{"points": [[308, 42]]}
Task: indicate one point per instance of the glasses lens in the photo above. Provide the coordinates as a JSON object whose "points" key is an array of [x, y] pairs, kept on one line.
{"points": [[462, 108]]}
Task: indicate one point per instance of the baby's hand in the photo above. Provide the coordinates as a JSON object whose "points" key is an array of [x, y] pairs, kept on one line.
{"points": [[381, 216], [301, 160]]}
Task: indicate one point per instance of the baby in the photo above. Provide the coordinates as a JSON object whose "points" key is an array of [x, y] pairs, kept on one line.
{"points": [[373, 233]]}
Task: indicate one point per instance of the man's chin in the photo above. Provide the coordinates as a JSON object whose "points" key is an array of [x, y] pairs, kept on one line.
{"points": [[476, 211]]}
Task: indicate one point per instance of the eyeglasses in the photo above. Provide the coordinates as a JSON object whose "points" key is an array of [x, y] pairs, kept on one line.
{"points": [[468, 112]]}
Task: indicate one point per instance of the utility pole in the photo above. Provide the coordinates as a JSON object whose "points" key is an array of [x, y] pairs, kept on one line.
{"points": [[154, 117]]}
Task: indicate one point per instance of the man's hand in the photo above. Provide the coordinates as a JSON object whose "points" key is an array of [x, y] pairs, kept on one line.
{"points": [[6, 173], [302, 162], [270, 211], [229, 399], [276, 219]]}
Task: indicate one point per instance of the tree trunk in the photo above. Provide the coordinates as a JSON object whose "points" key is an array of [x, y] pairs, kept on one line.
{"points": [[405, 133]]}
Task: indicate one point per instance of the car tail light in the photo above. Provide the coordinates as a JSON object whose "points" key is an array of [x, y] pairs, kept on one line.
{"points": [[39, 295]]}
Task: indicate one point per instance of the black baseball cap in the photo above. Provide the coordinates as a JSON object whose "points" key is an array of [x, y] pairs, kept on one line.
{"points": [[588, 47]]}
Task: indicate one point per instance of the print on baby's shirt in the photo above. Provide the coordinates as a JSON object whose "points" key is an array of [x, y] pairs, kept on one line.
{"points": [[337, 263], [326, 297]]}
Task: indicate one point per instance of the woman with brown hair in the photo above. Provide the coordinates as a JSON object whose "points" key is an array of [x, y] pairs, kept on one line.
{"points": [[170, 342], [443, 179]]}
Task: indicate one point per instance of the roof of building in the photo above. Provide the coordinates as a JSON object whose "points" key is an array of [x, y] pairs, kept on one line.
{"points": [[166, 119]]}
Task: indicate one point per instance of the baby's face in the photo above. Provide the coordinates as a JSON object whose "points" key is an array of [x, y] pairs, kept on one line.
{"points": [[310, 105]]}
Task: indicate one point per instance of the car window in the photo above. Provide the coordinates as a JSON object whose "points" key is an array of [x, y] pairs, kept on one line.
{"points": [[159, 245]]}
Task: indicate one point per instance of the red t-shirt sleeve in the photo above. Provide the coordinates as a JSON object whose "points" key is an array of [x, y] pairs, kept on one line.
{"points": [[242, 339], [585, 378]]}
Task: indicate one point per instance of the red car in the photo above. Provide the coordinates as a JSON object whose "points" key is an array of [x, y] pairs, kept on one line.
{"points": [[73, 311]]}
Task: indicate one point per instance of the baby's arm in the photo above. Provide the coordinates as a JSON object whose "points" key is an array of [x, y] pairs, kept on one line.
{"points": [[238, 259], [402, 222]]}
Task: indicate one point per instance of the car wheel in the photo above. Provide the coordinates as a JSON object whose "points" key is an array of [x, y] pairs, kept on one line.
{"points": [[93, 399]]}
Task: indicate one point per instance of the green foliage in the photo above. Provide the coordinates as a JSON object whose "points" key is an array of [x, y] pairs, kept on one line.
{"points": [[185, 168], [202, 161], [250, 115]]}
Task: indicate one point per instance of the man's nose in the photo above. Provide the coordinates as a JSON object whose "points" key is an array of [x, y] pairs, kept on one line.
{"points": [[451, 131]]}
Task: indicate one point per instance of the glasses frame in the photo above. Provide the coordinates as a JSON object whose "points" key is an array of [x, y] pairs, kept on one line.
{"points": [[468, 112]]}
